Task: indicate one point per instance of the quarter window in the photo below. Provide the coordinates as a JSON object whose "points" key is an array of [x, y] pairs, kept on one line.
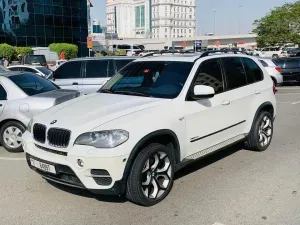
{"points": [[253, 72], [210, 74], [235, 74]]}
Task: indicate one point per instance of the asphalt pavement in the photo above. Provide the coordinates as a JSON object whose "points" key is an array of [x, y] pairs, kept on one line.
{"points": [[232, 187]]}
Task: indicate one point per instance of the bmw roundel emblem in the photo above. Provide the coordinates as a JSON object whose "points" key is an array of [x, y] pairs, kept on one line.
{"points": [[53, 122]]}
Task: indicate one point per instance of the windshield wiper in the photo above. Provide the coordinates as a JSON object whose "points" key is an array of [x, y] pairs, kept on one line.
{"points": [[132, 93]]}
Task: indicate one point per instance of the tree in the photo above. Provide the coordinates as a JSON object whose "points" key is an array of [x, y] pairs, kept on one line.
{"points": [[279, 26], [70, 50]]}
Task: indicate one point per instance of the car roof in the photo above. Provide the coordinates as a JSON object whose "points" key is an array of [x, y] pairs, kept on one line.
{"points": [[104, 58], [25, 66], [189, 57]]}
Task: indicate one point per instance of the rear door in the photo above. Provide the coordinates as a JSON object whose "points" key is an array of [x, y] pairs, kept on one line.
{"points": [[237, 93], [96, 74], [69, 75]]}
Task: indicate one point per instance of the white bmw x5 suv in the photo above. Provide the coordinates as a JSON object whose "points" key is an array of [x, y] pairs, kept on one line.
{"points": [[154, 116]]}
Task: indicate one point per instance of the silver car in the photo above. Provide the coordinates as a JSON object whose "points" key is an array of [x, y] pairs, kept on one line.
{"points": [[22, 95]]}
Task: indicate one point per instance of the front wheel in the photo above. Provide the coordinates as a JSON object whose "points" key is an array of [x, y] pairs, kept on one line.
{"points": [[261, 133], [151, 176], [11, 136]]}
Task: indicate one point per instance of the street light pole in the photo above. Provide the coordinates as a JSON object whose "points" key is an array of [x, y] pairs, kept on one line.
{"points": [[214, 21], [111, 35]]}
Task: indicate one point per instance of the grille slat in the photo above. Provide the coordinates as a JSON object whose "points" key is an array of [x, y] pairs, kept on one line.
{"points": [[39, 132], [59, 137]]}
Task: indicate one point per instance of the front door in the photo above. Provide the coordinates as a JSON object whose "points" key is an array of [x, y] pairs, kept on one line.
{"points": [[3, 98], [209, 121]]}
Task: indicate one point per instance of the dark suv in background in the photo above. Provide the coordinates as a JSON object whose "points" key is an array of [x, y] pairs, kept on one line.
{"points": [[290, 69]]}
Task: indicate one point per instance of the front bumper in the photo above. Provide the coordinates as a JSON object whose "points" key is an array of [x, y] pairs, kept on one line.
{"points": [[100, 175]]}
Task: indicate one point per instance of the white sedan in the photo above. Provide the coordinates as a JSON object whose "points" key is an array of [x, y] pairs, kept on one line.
{"points": [[22, 95], [39, 70]]}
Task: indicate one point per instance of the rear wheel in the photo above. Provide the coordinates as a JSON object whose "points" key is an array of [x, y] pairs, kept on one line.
{"points": [[151, 176], [11, 136], [261, 133]]}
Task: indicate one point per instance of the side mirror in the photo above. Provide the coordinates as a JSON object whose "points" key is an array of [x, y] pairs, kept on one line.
{"points": [[202, 92]]}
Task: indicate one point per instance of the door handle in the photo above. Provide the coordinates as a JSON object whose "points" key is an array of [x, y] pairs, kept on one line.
{"points": [[225, 102], [257, 92], [75, 83]]}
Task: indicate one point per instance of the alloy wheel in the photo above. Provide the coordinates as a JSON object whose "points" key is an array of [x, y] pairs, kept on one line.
{"points": [[12, 137], [156, 175], [265, 131]]}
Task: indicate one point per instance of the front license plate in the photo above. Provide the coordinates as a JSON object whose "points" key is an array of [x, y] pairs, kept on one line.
{"points": [[43, 166]]}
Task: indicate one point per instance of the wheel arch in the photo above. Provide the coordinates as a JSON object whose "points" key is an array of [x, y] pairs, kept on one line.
{"points": [[163, 136], [266, 106], [10, 120]]}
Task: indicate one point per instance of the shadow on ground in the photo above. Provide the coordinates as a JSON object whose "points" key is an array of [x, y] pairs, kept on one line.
{"points": [[191, 168]]}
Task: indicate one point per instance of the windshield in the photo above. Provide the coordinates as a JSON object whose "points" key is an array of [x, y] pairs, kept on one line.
{"points": [[30, 59], [44, 70], [152, 79], [32, 84]]}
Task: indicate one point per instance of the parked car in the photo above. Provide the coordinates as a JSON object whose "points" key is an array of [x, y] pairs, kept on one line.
{"points": [[39, 70], [88, 74], [272, 52], [273, 70], [153, 117], [22, 95], [290, 69], [294, 52], [36, 60]]}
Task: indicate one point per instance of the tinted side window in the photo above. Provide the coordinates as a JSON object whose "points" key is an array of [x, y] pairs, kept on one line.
{"points": [[263, 63], [68, 70], [292, 63], [235, 74], [111, 68], [121, 63], [210, 74], [253, 72], [96, 68], [3, 94]]}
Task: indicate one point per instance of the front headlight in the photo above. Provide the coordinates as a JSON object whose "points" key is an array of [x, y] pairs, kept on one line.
{"points": [[103, 139], [29, 126]]}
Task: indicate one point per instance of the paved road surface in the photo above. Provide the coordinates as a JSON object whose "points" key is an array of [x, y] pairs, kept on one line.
{"points": [[233, 187]]}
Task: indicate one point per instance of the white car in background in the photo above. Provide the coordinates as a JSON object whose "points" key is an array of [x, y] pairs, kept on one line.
{"points": [[39, 70], [271, 52], [273, 70], [22, 95]]}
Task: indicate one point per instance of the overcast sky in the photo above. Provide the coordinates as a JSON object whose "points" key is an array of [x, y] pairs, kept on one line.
{"points": [[227, 14]]}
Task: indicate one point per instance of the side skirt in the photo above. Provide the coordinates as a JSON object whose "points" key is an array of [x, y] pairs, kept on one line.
{"points": [[191, 158]]}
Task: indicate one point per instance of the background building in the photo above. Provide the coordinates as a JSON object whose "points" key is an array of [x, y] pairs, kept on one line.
{"points": [[40, 23], [151, 18], [96, 27]]}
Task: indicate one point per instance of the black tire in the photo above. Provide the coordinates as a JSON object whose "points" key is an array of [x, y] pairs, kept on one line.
{"points": [[15, 124], [134, 188], [254, 141]]}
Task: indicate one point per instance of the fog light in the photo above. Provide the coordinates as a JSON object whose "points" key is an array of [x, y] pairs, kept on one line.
{"points": [[80, 162]]}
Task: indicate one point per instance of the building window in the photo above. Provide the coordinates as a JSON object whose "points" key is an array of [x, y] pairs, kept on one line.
{"points": [[166, 36], [177, 30], [181, 31], [190, 31], [191, 9], [166, 30], [190, 16], [166, 8]]}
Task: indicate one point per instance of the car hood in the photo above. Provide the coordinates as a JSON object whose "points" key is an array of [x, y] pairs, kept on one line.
{"points": [[90, 111]]}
